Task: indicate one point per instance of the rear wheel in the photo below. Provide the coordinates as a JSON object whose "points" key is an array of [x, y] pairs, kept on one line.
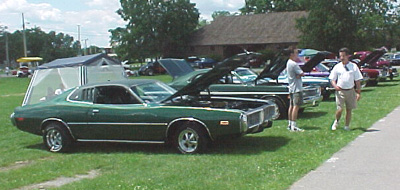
{"points": [[56, 138], [150, 72], [190, 138]]}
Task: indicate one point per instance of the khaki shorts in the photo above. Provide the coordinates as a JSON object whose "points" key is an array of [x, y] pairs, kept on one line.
{"points": [[296, 99], [346, 99]]}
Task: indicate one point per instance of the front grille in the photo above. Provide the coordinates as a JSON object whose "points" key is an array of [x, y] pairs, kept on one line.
{"points": [[311, 91], [259, 115]]}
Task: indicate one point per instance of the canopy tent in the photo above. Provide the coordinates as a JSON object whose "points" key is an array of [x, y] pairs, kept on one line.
{"points": [[52, 78]]}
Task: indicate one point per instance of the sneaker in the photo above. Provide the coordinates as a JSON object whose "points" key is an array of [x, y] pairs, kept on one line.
{"points": [[347, 128], [296, 129], [288, 127], [334, 125]]}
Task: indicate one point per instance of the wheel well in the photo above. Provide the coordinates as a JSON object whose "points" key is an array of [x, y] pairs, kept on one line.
{"points": [[56, 121], [174, 127]]}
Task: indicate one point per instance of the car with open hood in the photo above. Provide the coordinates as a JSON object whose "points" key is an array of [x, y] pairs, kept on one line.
{"points": [[141, 111], [224, 81]]}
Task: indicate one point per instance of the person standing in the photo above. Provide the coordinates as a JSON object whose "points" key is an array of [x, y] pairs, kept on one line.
{"points": [[294, 74], [344, 76]]}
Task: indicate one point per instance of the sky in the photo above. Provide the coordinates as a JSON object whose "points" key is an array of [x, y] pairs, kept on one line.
{"points": [[94, 17]]}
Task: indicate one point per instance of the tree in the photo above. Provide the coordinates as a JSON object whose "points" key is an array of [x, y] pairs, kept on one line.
{"points": [[155, 28], [49, 46], [356, 24], [265, 6], [220, 13], [331, 24]]}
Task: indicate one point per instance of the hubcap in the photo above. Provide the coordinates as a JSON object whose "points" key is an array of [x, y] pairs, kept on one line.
{"points": [[188, 140], [54, 140]]}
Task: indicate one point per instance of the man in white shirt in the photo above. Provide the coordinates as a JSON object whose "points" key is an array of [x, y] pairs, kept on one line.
{"points": [[294, 73], [344, 76]]}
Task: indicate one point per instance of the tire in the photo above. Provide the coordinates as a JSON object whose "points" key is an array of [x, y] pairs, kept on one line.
{"points": [[281, 111], [190, 138], [56, 138], [150, 72], [372, 83]]}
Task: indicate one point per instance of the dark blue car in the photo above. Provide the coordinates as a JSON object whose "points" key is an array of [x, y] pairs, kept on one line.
{"points": [[204, 62]]}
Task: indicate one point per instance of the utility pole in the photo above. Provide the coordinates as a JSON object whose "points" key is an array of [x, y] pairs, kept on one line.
{"points": [[23, 35], [3, 30], [79, 40], [85, 46]]}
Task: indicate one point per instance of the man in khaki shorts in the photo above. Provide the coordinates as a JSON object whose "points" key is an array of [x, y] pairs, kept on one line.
{"points": [[294, 73], [343, 78]]}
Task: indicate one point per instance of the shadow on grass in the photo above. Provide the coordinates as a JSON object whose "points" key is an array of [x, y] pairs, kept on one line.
{"points": [[243, 145], [384, 84], [308, 115], [248, 145], [366, 130]]}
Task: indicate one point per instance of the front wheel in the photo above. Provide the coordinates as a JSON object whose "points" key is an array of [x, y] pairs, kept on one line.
{"points": [[56, 138], [280, 110], [190, 139]]}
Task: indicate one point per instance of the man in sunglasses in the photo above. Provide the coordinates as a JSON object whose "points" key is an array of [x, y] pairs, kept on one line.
{"points": [[344, 77]]}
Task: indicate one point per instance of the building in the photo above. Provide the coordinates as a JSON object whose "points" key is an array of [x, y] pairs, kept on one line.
{"points": [[229, 35]]}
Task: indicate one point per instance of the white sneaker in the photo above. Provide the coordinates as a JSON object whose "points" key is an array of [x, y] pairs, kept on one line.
{"points": [[347, 128], [334, 125], [296, 129]]}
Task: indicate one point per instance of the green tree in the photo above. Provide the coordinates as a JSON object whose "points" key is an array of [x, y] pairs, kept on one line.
{"points": [[265, 6], [155, 28], [49, 46], [216, 14]]}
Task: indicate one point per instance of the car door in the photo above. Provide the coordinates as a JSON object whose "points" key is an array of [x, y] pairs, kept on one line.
{"points": [[118, 115]]}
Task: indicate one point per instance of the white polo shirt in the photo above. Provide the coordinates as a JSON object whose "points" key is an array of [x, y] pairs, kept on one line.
{"points": [[345, 76]]}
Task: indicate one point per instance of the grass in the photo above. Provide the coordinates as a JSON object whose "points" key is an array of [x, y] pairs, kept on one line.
{"points": [[273, 159]]}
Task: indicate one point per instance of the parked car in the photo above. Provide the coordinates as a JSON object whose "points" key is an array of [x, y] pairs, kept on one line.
{"points": [[394, 58], [228, 82], [135, 111], [204, 62], [151, 68], [373, 60]]}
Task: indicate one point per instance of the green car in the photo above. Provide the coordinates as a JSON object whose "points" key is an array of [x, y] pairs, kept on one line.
{"points": [[238, 82], [140, 111]]}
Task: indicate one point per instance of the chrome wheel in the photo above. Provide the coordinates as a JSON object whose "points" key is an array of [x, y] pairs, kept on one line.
{"points": [[54, 140], [188, 140]]}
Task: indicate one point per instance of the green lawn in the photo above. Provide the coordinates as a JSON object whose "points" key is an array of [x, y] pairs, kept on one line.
{"points": [[273, 159]]}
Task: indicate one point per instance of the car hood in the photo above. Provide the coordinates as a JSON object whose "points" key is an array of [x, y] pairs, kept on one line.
{"points": [[274, 69], [201, 83], [372, 57], [314, 61], [176, 67]]}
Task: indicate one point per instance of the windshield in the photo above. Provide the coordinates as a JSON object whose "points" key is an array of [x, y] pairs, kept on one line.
{"points": [[246, 75], [322, 68], [153, 92]]}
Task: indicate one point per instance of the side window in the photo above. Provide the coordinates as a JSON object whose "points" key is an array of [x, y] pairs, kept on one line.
{"points": [[83, 95], [114, 95]]}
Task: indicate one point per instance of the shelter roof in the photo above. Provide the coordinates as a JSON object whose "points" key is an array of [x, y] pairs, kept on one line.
{"points": [[276, 27], [94, 59]]}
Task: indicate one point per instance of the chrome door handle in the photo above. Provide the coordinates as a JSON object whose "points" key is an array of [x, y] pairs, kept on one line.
{"points": [[94, 111]]}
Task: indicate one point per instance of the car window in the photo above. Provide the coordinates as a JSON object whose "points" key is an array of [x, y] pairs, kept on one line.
{"points": [[83, 95], [153, 91], [114, 95]]}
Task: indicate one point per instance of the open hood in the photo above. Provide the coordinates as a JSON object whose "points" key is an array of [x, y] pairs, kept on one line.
{"points": [[314, 61], [201, 83], [176, 67], [274, 69], [372, 57]]}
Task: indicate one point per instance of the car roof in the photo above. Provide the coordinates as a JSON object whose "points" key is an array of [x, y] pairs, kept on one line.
{"points": [[127, 82]]}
